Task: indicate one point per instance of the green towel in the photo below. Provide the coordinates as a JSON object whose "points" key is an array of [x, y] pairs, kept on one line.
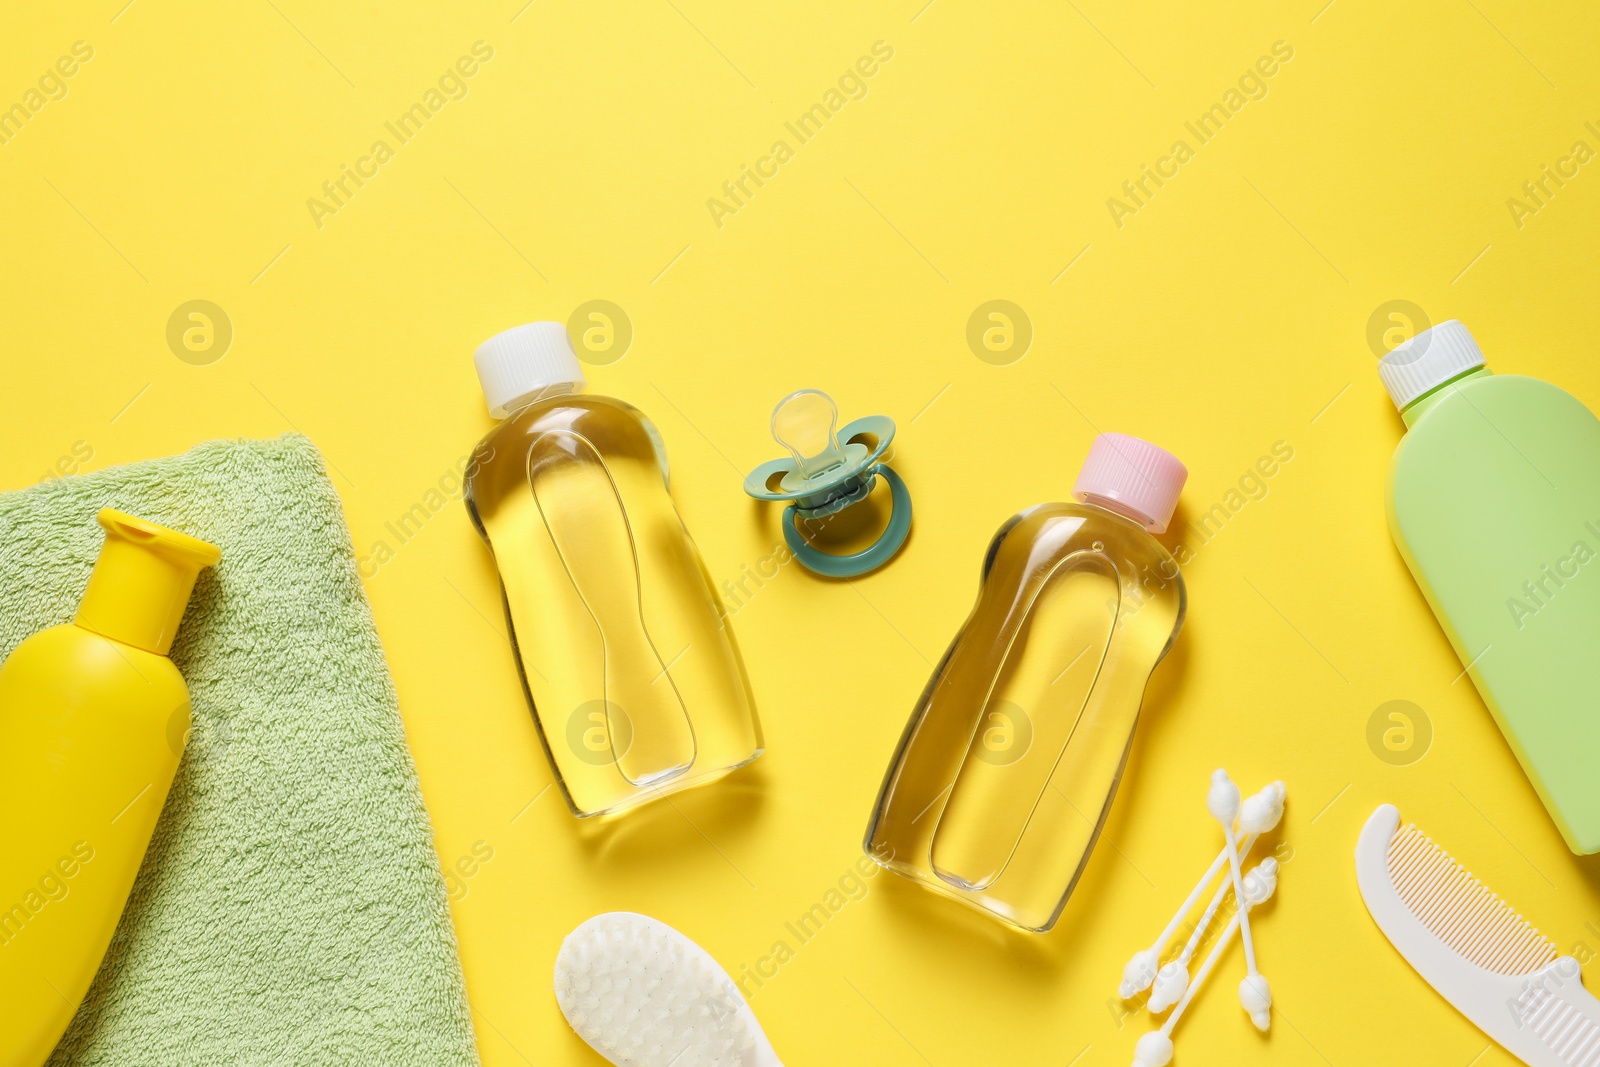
{"points": [[291, 909]]}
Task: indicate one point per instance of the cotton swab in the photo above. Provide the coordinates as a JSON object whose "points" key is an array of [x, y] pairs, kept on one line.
{"points": [[1263, 810], [1258, 815], [1141, 971], [1155, 1048], [1255, 995], [1173, 977]]}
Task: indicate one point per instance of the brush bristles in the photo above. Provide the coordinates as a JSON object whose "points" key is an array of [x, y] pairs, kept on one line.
{"points": [[1461, 911], [643, 998]]}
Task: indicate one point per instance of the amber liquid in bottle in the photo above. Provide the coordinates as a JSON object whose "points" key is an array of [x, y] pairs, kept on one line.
{"points": [[624, 648], [1012, 757]]}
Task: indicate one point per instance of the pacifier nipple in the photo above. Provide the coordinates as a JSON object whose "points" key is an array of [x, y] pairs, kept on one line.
{"points": [[807, 424]]}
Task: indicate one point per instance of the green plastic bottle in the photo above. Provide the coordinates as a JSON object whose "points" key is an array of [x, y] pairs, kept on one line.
{"points": [[1494, 501]]}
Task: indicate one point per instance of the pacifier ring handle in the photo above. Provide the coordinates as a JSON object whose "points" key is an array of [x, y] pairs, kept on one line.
{"points": [[874, 555]]}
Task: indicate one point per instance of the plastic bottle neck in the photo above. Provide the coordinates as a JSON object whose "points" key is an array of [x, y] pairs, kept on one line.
{"points": [[544, 393], [141, 582], [1117, 508], [1420, 406]]}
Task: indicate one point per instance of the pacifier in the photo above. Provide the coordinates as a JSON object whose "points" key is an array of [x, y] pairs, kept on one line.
{"points": [[823, 477]]}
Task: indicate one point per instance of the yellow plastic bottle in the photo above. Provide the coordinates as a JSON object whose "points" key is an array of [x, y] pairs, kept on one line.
{"points": [[93, 720]]}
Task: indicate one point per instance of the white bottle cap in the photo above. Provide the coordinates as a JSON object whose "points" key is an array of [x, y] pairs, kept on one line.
{"points": [[523, 360], [1427, 361]]}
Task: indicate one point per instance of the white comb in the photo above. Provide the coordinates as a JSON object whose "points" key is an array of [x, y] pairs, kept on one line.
{"points": [[1474, 948], [643, 995]]}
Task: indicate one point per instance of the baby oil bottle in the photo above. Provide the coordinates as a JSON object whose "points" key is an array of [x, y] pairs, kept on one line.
{"points": [[625, 651], [1008, 767]]}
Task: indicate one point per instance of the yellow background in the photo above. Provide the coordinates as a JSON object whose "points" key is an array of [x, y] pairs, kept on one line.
{"points": [[1230, 313]]}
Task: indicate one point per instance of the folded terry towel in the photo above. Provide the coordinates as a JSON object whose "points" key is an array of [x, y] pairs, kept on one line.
{"points": [[291, 909]]}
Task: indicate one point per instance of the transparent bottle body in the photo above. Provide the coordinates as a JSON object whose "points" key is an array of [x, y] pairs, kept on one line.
{"points": [[630, 667], [1012, 757]]}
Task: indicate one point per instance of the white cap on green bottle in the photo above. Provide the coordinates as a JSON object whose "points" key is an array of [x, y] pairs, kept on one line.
{"points": [[525, 360], [1417, 367]]}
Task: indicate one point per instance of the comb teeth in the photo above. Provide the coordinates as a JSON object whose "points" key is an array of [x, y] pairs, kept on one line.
{"points": [[1461, 911]]}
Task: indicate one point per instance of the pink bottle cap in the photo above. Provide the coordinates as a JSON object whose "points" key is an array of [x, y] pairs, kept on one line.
{"points": [[1133, 477]]}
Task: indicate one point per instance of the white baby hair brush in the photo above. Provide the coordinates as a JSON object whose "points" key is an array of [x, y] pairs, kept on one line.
{"points": [[1155, 1048], [1258, 815], [1473, 948], [1255, 995], [643, 995]]}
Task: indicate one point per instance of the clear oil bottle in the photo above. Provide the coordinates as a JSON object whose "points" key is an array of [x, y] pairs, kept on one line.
{"points": [[625, 651], [1010, 762]]}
